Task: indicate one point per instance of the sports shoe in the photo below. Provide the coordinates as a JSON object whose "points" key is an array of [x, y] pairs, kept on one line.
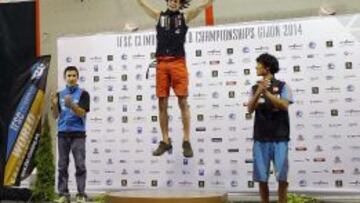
{"points": [[62, 199], [162, 148], [80, 198], [187, 150]]}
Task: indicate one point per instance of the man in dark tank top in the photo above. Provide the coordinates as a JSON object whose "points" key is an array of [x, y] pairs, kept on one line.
{"points": [[171, 70]]}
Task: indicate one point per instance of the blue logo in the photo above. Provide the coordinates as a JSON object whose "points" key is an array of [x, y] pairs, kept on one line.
{"points": [[246, 50], [312, 45]]}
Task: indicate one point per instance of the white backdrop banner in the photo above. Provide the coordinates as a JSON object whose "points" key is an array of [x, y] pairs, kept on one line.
{"points": [[319, 59]]}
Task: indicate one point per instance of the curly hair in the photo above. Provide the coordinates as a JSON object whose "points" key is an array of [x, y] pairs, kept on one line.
{"points": [[269, 61], [184, 3]]}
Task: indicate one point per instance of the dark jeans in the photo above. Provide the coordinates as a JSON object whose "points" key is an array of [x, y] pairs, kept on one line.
{"points": [[77, 146]]}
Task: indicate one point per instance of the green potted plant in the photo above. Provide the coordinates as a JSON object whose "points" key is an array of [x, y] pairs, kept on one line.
{"points": [[301, 198], [44, 188]]}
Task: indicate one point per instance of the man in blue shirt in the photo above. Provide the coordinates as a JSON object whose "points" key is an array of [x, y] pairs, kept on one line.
{"points": [[70, 107]]}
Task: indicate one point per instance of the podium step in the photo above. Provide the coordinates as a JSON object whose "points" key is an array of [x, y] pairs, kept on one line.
{"points": [[155, 196]]}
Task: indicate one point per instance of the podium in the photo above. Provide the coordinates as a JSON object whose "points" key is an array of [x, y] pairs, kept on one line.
{"points": [[166, 196]]}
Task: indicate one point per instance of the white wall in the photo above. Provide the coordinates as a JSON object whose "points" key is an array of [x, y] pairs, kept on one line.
{"points": [[79, 17]]}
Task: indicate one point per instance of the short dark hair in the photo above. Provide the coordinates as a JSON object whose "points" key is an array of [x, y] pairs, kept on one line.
{"points": [[184, 3], [71, 68], [269, 61]]}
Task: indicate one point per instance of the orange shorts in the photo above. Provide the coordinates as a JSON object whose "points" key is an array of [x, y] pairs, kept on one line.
{"points": [[171, 72]]}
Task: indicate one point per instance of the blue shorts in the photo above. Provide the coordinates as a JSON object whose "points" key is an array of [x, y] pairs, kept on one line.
{"points": [[263, 154]]}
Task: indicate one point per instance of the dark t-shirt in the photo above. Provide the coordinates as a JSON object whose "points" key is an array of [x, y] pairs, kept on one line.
{"points": [[84, 103]]}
